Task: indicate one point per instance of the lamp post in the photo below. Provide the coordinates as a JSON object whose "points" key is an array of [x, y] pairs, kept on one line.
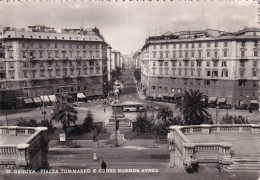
{"points": [[116, 142]]}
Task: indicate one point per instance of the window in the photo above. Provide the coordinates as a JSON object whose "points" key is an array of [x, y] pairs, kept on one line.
{"points": [[166, 64], [167, 54], [56, 54], [224, 64], [207, 82], [186, 54], [40, 45], [216, 53], [241, 83], [173, 63], [242, 53], [225, 44], [225, 53], [77, 46], [49, 54], [198, 63], [192, 63], [216, 44], [179, 63], [180, 54], [40, 54], [50, 72], [153, 71], [200, 54], [56, 45], [186, 63], [174, 46], [215, 63], [180, 72], [253, 93], [160, 88], [254, 63], [41, 64], [154, 46], [208, 73], [186, 72], [241, 73], [153, 87], [243, 43], [154, 63], [42, 72], [167, 46], [208, 53], [241, 93], [161, 63], [187, 45], [160, 71], [255, 53], [161, 46], [25, 74], [254, 73], [23, 44], [161, 54], [192, 45], [31, 44], [192, 54], [208, 63], [48, 45], [70, 46], [208, 44], [191, 73], [224, 74], [165, 88], [57, 72], [199, 45], [174, 55], [154, 54], [242, 63], [180, 46], [198, 73]]}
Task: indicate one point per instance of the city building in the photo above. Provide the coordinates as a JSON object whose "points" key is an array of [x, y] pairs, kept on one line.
{"points": [[42, 61], [222, 65], [137, 60], [24, 147]]}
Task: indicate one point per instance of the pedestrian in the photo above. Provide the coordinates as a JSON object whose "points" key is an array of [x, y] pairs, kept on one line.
{"points": [[189, 167], [94, 137], [95, 157], [104, 110], [194, 164], [103, 166]]}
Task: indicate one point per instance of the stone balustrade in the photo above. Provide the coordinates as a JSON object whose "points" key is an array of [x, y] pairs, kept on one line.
{"points": [[181, 148], [31, 153]]}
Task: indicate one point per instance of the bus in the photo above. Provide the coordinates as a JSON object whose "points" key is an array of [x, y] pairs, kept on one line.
{"points": [[133, 106]]}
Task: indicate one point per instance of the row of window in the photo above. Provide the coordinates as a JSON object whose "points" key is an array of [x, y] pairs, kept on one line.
{"points": [[223, 92], [41, 73], [214, 73], [199, 63], [199, 54], [63, 45], [199, 45]]}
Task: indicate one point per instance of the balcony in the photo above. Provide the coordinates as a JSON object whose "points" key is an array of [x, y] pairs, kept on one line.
{"points": [[241, 77], [214, 77], [215, 59], [199, 58], [198, 77], [243, 58], [173, 59]]}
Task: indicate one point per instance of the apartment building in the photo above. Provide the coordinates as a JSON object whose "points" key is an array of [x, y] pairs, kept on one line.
{"points": [[43, 62], [222, 65]]}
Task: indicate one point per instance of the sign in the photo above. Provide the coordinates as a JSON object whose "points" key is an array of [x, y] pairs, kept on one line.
{"points": [[62, 137]]}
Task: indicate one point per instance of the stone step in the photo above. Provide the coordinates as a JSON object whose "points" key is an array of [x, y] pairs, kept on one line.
{"points": [[246, 159], [245, 165], [242, 168]]}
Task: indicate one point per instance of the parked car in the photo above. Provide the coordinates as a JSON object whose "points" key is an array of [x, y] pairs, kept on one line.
{"points": [[225, 106], [243, 106], [149, 98]]}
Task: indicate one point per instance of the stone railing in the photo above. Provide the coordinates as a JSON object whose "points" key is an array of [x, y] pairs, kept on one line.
{"points": [[181, 148], [220, 128], [23, 154]]}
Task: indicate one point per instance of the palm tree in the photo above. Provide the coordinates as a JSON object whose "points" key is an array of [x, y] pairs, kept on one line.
{"points": [[65, 113], [192, 108], [165, 114]]}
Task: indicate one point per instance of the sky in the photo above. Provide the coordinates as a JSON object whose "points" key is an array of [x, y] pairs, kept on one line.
{"points": [[126, 25]]}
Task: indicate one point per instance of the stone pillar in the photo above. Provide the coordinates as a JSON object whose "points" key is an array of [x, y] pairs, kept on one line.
{"points": [[188, 151], [12, 130], [205, 128], [45, 147], [255, 129], [22, 155], [226, 155]]}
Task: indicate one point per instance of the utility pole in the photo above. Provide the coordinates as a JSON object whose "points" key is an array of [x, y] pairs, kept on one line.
{"points": [[217, 111], [116, 143]]}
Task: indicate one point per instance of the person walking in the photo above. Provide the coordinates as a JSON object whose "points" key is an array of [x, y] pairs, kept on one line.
{"points": [[189, 166], [95, 157], [103, 166], [104, 110]]}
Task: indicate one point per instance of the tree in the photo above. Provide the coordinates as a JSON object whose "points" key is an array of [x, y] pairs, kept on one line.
{"points": [[229, 119], [164, 114], [49, 124], [143, 123], [137, 74], [176, 121], [88, 124], [191, 107], [64, 112], [27, 123]]}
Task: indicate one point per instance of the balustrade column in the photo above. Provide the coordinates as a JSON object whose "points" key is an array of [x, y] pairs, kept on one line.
{"points": [[22, 155]]}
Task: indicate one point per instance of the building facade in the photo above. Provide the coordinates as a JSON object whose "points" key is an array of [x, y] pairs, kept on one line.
{"points": [[224, 66], [42, 61]]}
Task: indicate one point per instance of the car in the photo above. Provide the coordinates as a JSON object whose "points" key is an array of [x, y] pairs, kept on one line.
{"points": [[149, 98], [156, 108], [225, 106], [243, 106]]}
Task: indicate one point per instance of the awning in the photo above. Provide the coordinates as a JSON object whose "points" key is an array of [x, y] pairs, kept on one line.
{"points": [[171, 95], [89, 93], [28, 100], [81, 95], [165, 94], [53, 98], [212, 99], [45, 98], [37, 99], [177, 94], [98, 93], [254, 102], [222, 100], [160, 95]]}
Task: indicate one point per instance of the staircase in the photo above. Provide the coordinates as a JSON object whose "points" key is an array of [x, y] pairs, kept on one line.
{"points": [[244, 162]]}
